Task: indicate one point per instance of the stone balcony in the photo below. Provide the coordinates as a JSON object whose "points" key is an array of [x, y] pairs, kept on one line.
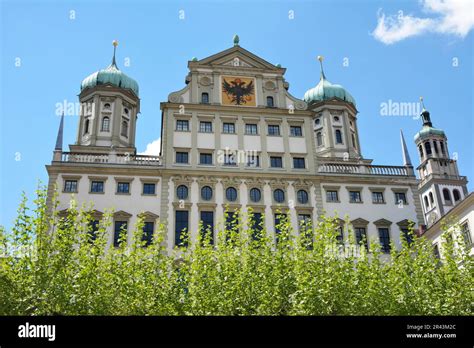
{"points": [[111, 158], [364, 169]]}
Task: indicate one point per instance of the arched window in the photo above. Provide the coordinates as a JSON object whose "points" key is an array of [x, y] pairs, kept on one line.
{"points": [[270, 102], [182, 192], [338, 137], [125, 110], [255, 195], [206, 193], [431, 198], [319, 139], [428, 148], [336, 118], [279, 195], [205, 98], [124, 128], [317, 122], [86, 126], [353, 140], [456, 195], [427, 205], [107, 106], [105, 124], [446, 195], [435, 145], [302, 196], [231, 194], [421, 150], [441, 146]]}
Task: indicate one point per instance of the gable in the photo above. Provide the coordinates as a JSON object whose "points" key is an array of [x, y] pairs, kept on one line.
{"points": [[238, 57]]}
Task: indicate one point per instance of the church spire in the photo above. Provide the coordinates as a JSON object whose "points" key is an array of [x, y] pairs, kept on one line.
{"points": [[59, 138], [406, 155]]}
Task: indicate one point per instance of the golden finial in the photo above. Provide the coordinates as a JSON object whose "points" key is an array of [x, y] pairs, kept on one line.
{"points": [[115, 44], [321, 58]]}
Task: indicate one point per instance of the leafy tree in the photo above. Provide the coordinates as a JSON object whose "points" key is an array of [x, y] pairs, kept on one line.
{"points": [[50, 264]]}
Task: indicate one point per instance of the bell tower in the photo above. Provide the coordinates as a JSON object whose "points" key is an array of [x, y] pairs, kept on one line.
{"points": [[441, 187], [109, 108]]}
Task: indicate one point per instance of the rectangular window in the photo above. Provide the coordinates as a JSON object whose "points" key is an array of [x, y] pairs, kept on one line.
{"points": [[182, 157], [298, 163], [182, 125], [384, 237], [257, 226], [400, 197], [205, 127], [276, 162], [273, 129], [296, 131], [231, 223], [181, 228], [229, 160], [207, 221], [147, 236], [407, 235], [97, 186], [205, 158], [361, 237], [120, 232], [123, 187], [466, 233], [251, 129], [304, 226], [340, 235], [279, 219], [331, 196], [377, 197], [149, 189], [354, 197], [93, 228], [70, 186], [253, 161], [228, 128]]}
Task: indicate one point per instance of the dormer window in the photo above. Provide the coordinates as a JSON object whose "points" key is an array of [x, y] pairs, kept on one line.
{"points": [[205, 98], [270, 103]]}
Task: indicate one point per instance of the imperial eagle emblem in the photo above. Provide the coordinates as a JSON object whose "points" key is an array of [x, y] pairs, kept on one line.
{"points": [[238, 91]]}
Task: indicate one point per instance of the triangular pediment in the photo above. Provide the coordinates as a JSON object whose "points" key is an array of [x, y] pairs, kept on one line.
{"points": [[238, 57], [359, 221], [382, 222]]}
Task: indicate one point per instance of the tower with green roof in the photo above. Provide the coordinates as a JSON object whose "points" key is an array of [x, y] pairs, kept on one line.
{"points": [[110, 104], [335, 122], [441, 187]]}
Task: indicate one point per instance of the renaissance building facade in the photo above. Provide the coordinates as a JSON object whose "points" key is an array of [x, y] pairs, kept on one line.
{"points": [[235, 139]]}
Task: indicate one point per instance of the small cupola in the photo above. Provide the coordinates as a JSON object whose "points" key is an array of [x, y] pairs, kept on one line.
{"points": [[111, 75], [326, 90]]}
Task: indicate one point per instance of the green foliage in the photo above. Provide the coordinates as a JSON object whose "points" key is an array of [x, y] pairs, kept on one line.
{"points": [[51, 265]]}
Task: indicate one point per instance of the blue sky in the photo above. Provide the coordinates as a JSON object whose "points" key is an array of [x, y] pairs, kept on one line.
{"points": [[427, 49]]}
